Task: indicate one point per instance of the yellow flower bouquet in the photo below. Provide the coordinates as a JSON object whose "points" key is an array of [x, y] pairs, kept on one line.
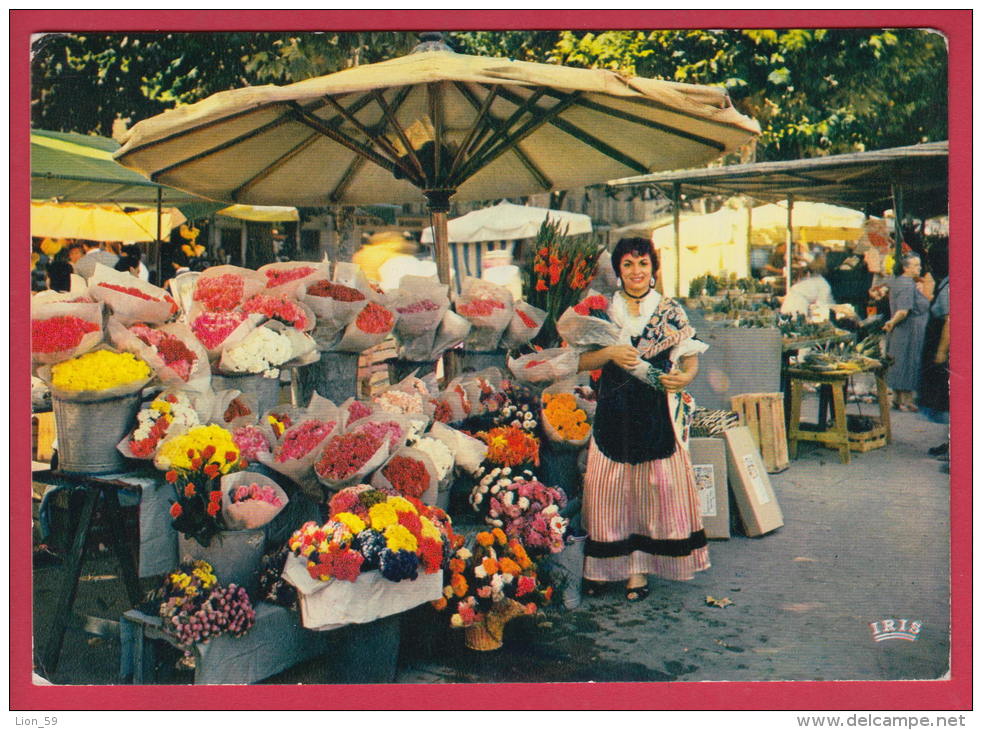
{"points": [[97, 375]]}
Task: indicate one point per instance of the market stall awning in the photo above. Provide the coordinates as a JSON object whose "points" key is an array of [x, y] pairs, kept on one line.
{"points": [[858, 180], [101, 221], [260, 213], [508, 222], [69, 167]]}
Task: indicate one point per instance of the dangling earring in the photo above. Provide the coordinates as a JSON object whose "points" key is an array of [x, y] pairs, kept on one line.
{"points": [[620, 283], [652, 284]]}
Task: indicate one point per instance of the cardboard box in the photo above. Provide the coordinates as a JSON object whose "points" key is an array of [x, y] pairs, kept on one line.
{"points": [[709, 466], [755, 499]]}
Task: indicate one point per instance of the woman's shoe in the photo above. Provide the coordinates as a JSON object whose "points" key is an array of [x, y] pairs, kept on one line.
{"points": [[940, 450], [592, 588], [908, 407], [636, 593]]}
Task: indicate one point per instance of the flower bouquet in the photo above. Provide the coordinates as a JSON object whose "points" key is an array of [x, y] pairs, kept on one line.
{"points": [[411, 473], [175, 354], [297, 448], [564, 420], [371, 325], [217, 331], [60, 330], [488, 307], [487, 587], [557, 275], [546, 366], [281, 309], [287, 278], [453, 330], [252, 441], [439, 454], [525, 324], [420, 304], [350, 457], [225, 288], [130, 299], [377, 555], [97, 375], [395, 430], [586, 323], [193, 463], [334, 305], [194, 607], [524, 508], [167, 415], [353, 410], [182, 289], [510, 446], [468, 452], [250, 500], [261, 352]]}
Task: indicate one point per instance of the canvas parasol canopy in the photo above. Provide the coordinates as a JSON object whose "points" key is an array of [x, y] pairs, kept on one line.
{"points": [[508, 222], [433, 123], [101, 221]]}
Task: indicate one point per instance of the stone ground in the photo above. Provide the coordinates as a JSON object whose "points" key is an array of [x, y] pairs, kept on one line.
{"points": [[861, 542]]}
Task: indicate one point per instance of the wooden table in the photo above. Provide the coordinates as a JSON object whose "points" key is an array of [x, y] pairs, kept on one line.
{"points": [[838, 435], [93, 490]]}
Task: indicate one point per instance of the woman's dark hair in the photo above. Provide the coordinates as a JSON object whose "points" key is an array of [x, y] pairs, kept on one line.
{"points": [[132, 250], [635, 247], [126, 263], [60, 275]]}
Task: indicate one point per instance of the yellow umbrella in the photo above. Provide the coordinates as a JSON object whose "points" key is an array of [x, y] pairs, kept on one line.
{"points": [[100, 222], [261, 213]]}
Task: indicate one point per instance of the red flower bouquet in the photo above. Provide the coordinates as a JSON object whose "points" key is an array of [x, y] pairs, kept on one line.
{"points": [[349, 457], [586, 323], [61, 330], [171, 350], [130, 299], [372, 325], [214, 328], [302, 439], [279, 308], [287, 278], [329, 289], [489, 308], [410, 472], [219, 293]]}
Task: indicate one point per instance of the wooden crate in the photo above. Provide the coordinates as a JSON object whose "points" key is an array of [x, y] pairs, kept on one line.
{"points": [[763, 414], [42, 435], [863, 441]]}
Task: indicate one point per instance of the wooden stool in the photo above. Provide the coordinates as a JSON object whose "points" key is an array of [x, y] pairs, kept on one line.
{"points": [[838, 436], [763, 414]]}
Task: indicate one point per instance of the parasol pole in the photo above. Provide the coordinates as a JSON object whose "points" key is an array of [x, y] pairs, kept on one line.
{"points": [[438, 203], [789, 238], [160, 244], [677, 225]]}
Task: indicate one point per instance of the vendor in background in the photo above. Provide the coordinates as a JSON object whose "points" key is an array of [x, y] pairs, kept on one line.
{"points": [[133, 251], [906, 326], [128, 265], [849, 277], [94, 254], [775, 266], [933, 395], [811, 290], [62, 285]]}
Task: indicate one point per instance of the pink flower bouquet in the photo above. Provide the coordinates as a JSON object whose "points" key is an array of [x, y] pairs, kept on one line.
{"points": [[172, 350], [488, 307], [62, 330], [288, 277], [299, 445], [252, 441], [350, 457], [282, 309], [131, 299], [225, 288], [353, 410], [217, 331], [526, 509], [250, 500]]}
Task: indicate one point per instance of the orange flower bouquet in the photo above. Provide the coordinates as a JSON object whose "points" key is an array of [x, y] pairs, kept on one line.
{"points": [[564, 421]]}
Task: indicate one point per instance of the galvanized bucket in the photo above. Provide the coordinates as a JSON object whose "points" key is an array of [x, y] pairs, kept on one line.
{"points": [[569, 570], [266, 391], [234, 555], [334, 376], [88, 432]]}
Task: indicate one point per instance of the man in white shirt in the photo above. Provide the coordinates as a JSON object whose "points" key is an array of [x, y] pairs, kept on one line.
{"points": [[94, 254], [813, 289]]}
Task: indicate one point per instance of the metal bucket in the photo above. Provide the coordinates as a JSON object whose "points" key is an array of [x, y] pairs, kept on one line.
{"points": [[89, 432], [234, 555], [569, 570], [477, 361], [334, 376], [265, 390]]}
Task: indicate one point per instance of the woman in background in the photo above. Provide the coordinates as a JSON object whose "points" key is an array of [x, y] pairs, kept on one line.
{"points": [[908, 320]]}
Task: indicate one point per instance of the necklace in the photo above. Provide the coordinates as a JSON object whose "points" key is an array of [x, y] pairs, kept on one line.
{"points": [[632, 296]]}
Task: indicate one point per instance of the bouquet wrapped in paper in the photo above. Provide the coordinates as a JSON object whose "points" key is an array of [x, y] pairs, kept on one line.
{"points": [[349, 458], [130, 299], [468, 452], [288, 277], [62, 330], [411, 473], [546, 366], [261, 352], [420, 302], [525, 324], [228, 408], [253, 439], [525, 509], [182, 289], [335, 306], [371, 325], [250, 500], [280, 308], [565, 416], [177, 357], [586, 323], [217, 331], [488, 307], [96, 375], [169, 414], [353, 410], [225, 288], [299, 445], [394, 429]]}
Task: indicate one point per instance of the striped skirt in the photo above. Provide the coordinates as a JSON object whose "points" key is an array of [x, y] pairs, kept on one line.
{"points": [[642, 518]]}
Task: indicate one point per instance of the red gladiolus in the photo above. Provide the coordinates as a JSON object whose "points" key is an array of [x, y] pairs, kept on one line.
{"points": [[171, 476], [540, 285], [175, 510], [211, 470], [189, 490], [215, 496], [213, 508]]}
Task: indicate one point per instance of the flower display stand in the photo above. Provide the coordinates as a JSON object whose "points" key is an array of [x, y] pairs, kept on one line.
{"points": [[234, 555], [89, 431], [334, 376]]}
